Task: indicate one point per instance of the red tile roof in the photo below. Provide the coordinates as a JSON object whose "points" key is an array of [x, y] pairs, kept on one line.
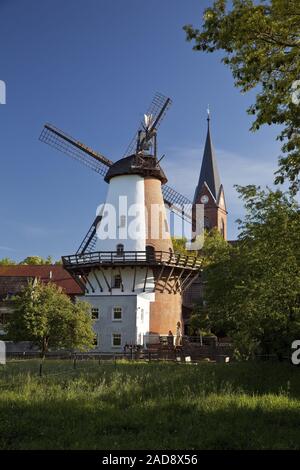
{"points": [[10, 285], [46, 273]]}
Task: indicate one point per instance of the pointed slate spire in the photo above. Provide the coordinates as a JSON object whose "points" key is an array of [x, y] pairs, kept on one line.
{"points": [[209, 173]]}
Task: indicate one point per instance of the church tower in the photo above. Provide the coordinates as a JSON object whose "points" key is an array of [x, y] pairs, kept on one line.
{"points": [[210, 191]]}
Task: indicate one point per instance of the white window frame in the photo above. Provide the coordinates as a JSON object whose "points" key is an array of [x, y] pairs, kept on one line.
{"points": [[98, 313], [113, 313], [96, 345], [114, 279], [112, 340]]}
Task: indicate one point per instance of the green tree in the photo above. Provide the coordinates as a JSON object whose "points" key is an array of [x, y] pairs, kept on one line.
{"points": [[7, 262], [215, 248], [46, 316], [199, 321], [35, 260], [215, 251], [261, 43], [254, 293], [180, 246]]}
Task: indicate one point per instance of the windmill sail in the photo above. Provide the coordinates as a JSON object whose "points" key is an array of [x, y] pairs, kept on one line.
{"points": [[152, 120], [177, 203], [88, 243], [60, 140], [64, 143]]}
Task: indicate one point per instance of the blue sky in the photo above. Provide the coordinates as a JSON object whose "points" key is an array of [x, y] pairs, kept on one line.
{"points": [[91, 68]]}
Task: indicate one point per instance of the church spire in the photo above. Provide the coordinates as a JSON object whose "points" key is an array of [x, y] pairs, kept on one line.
{"points": [[210, 191], [209, 173]]}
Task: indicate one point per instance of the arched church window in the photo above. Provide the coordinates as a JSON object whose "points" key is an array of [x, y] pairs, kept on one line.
{"points": [[222, 228], [206, 223], [166, 226]]}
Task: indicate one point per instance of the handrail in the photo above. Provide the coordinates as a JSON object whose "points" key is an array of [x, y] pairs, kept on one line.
{"points": [[132, 257]]}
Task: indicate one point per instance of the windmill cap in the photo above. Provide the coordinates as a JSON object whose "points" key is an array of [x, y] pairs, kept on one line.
{"points": [[146, 166]]}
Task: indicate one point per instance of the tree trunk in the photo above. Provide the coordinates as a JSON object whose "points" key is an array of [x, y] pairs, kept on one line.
{"points": [[44, 350]]}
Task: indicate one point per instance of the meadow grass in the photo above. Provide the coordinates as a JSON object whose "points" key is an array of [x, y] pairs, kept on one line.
{"points": [[149, 406]]}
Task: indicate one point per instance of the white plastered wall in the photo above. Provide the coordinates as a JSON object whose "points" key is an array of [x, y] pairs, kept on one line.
{"points": [[132, 188]]}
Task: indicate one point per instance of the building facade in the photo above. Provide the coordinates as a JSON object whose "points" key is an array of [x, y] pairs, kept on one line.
{"points": [[133, 280], [14, 278], [138, 288]]}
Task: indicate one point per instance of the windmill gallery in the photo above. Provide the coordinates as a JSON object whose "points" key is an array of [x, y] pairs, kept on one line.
{"points": [[134, 280]]}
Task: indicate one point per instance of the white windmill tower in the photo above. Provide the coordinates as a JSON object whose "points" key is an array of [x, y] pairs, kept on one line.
{"points": [[126, 263]]}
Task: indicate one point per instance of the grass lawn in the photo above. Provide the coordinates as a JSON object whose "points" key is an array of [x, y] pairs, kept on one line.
{"points": [[149, 406]]}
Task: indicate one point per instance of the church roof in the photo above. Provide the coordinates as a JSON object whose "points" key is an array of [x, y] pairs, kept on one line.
{"points": [[209, 173]]}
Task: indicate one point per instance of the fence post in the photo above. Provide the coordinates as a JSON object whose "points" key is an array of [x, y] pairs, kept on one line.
{"points": [[74, 362], [41, 369]]}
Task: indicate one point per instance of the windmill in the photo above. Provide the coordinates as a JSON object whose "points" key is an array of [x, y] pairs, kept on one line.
{"points": [[142, 276], [145, 136]]}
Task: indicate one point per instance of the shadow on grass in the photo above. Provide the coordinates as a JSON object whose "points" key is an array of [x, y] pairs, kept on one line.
{"points": [[213, 422], [154, 406]]}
